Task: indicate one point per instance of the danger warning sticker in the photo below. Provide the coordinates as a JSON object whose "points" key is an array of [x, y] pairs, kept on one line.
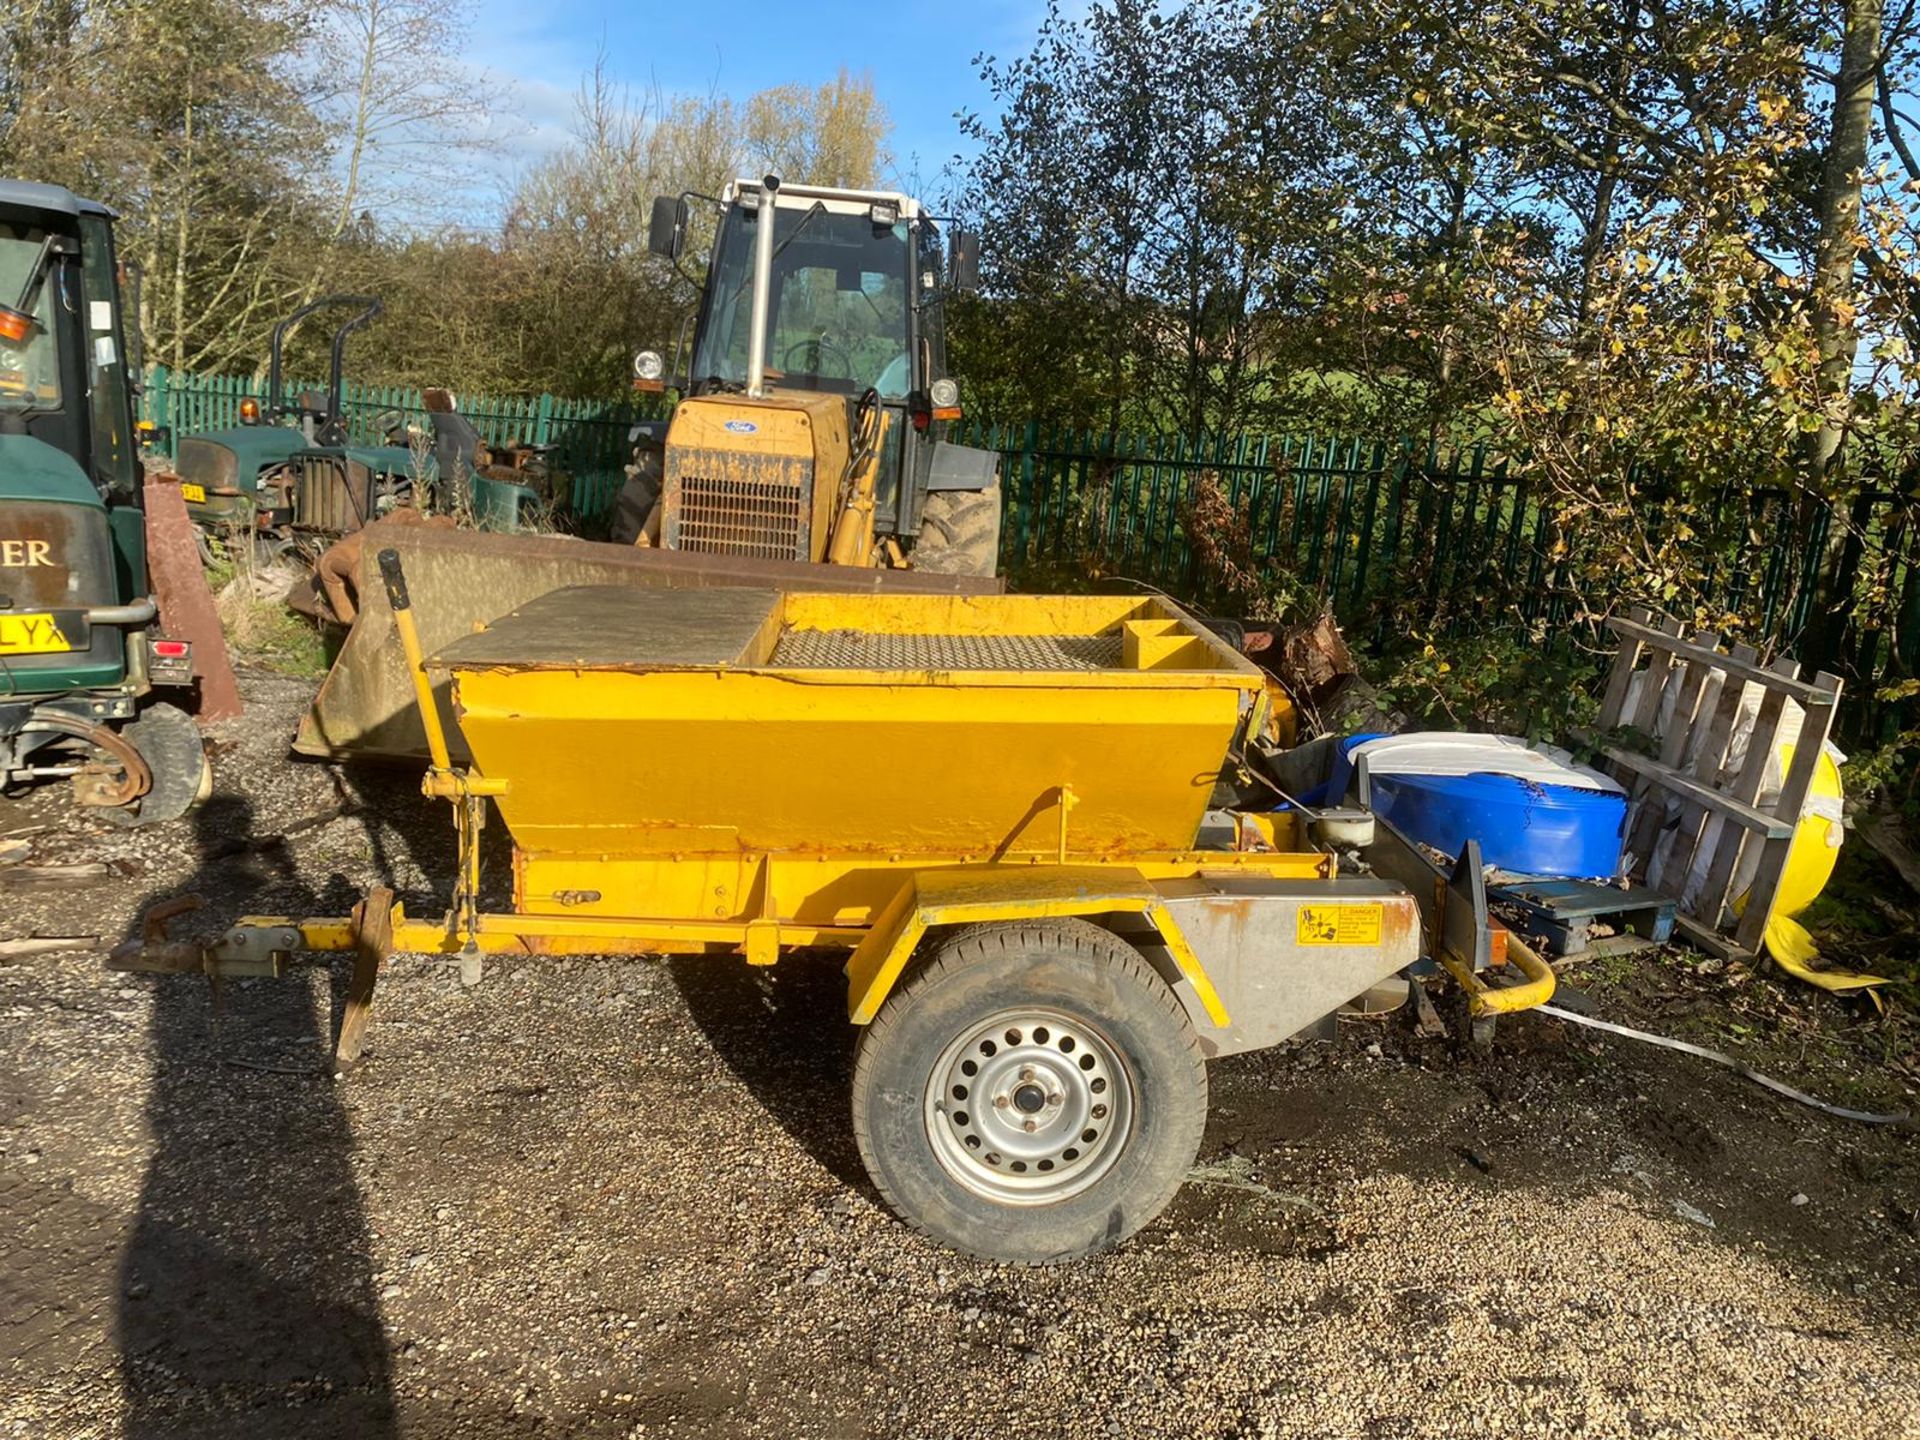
{"points": [[1339, 924]]}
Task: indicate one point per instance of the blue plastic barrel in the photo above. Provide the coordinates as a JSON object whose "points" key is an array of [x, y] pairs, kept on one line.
{"points": [[1523, 826]]}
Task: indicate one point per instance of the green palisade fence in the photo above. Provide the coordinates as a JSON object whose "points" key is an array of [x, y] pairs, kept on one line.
{"points": [[1391, 535], [1388, 534]]}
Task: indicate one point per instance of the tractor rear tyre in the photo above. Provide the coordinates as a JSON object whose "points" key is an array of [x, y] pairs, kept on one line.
{"points": [[959, 532], [636, 500], [170, 743], [1032, 1092]]}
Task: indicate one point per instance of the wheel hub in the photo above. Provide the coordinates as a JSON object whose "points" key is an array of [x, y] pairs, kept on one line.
{"points": [[1028, 1107]]}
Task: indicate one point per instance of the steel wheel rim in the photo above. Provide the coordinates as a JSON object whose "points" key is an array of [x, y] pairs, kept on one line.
{"points": [[1028, 1107]]}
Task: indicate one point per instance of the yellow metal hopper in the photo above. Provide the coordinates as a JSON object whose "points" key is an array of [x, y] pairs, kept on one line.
{"points": [[726, 721]]}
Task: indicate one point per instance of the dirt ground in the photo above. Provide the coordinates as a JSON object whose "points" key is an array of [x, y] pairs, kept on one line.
{"points": [[609, 1197]]}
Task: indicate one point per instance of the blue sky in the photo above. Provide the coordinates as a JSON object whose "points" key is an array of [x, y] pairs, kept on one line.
{"points": [[919, 53]]}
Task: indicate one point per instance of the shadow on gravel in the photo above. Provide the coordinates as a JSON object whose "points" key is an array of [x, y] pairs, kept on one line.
{"points": [[247, 1300], [783, 1031]]}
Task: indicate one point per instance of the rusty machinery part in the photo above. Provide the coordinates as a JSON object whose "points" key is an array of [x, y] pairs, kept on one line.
{"points": [[182, 778], [98, 784], [372, 922], [337, 572], [156, 950], [179, 581]]}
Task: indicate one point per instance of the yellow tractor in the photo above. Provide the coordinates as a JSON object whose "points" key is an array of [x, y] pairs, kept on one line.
{"points": [[817, 401], [809, 450]]}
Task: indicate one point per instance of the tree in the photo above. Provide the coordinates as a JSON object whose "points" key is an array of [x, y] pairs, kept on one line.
{"points": [[193, 118], [831, 135], [586, 292], [1154, 197], [407, 117]]}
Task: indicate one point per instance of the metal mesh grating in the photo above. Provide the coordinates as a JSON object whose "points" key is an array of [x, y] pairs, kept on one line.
{"points": [[762, 518], [862, 650]]}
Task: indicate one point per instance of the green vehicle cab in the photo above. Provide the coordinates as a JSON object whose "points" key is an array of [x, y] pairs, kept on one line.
{"points": [[290, 475], [80, 651]]}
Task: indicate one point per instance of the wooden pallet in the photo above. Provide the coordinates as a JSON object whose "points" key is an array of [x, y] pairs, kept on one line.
{"points": [[1564, 912], [1689, 759]]}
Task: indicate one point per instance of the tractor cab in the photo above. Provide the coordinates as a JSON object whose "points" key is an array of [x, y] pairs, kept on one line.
{"points": [[816, 399], [79, 653]]}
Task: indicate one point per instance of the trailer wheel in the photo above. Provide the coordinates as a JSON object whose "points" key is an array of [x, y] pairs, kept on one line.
{"points": [[959, 532], [1032, 1092], [170, 743]]}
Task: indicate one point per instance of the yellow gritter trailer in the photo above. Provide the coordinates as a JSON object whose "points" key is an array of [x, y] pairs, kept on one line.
{"points": [[1047, 931]]}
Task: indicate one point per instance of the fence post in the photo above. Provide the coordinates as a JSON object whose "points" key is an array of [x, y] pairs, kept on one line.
{"points": [[1376, 464], [157, 401], [1028, 445], [543, 421]]}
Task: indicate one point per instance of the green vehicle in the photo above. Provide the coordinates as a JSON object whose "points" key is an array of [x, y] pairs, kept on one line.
{"points": [[291, 476], [80, 654]]}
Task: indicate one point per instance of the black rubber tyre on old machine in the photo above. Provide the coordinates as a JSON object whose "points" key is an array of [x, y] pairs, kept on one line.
{"points": [[170, 743], [1031, 1092], [959, 532]]}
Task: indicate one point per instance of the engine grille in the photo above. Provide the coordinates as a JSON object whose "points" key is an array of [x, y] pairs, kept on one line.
{"points": [[334, 495], [864, 650], [763, 509]]}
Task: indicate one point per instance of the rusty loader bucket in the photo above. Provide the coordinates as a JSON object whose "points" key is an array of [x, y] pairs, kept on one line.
{"points": [[461, 579]]}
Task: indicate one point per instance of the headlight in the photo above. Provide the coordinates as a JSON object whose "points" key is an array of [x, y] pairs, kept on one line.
{"points": [[647, 365], [10, 359], [945, 394]]}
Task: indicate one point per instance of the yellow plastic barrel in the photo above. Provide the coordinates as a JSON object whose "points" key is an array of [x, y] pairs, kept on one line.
{"points": [[1810, 863]]}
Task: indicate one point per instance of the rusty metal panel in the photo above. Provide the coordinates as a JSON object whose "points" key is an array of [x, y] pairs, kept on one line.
{"points": [[186, 604], [209, 465], [333, 496], [1285, 953]]}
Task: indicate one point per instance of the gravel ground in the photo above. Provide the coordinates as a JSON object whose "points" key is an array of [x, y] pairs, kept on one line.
{"points": [[595, 1197]]}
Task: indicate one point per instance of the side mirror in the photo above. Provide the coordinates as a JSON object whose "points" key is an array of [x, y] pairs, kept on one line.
{"points": [[667, 230], [964, 275]]}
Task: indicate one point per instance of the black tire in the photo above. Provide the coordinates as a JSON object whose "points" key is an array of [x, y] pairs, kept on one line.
{"points": [[170, 743], [959, 532], [1093, 985], [636, 500]]}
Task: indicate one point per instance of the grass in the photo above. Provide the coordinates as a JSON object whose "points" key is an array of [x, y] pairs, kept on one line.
{"points": [[262, 631]]}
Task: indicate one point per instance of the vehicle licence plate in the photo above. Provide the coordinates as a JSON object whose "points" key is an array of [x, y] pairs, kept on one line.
{"points": [[33, 633], [196, 493]]}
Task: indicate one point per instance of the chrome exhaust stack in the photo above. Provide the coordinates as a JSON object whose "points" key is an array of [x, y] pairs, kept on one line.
{"points": [[762, 287]]}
